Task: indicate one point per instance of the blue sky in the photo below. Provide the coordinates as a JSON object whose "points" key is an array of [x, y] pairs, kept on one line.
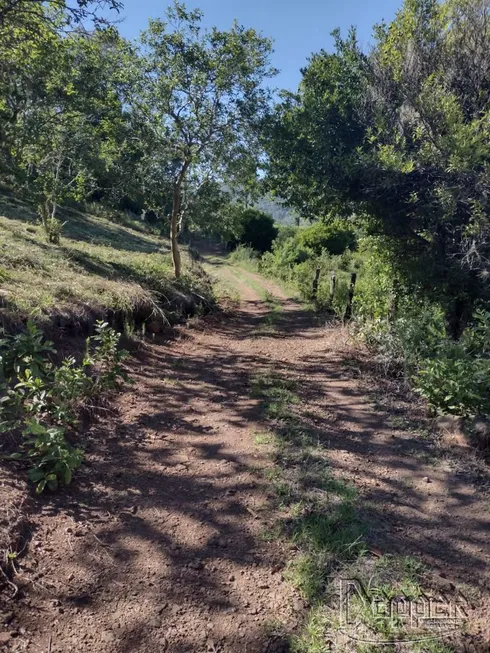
{"points": [[298, 27]]}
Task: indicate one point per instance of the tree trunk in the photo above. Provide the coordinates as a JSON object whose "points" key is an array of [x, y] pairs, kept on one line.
{"points": [[315, 283], [333, 281], [174, 232], [174, 222], [462, 296]]}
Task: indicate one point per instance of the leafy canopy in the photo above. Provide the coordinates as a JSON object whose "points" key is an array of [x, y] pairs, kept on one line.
{"points": [[401, 139]]}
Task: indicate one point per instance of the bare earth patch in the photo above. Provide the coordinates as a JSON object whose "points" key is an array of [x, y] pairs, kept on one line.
{"points": [[163, 541]]}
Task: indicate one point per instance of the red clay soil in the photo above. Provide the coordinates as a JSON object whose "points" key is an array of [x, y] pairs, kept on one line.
{"points": [[158, 543]]}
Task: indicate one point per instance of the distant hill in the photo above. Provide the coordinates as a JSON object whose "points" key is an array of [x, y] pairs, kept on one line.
{"points": [[280, 213]]}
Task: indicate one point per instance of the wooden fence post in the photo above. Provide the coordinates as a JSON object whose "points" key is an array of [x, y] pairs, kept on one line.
{"points": [[315, 283], [350, 297], [393, 301], [333, 282]]}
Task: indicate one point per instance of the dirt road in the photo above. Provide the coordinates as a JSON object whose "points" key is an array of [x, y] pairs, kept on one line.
{"points": [[168, 539]]}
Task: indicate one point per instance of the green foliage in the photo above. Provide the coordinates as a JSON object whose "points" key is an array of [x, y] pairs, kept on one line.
{"points": [[285, 254], [457, 378], [25, 16], [159, 124], [296, 264], [52, 458], [71, 383], [335, 237], [455, 383], [106, 357], [53, 228], [43, 400], [399, 138], [201, 96], [26, 352], [244, 254], [254, 229], [453, 377]]}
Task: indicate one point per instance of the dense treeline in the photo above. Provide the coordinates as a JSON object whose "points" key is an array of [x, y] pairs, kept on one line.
{"points": [[396, 141], [400, 138]]}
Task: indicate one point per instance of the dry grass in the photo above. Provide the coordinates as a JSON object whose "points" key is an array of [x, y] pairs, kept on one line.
{"points": [[99, 266]]}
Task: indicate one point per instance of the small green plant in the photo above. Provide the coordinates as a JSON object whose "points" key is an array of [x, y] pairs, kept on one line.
{"points": [[53, 228], [455, 383], [53, 459], [51, 225], [244, 254], [25, 351], [71, 382], [103, 354], [42, 400]]}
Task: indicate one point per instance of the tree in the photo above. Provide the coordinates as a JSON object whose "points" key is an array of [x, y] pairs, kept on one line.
{"points": [[31, 14], [400, 139], [255, 229], [313, 136], [62, 115], [202, 95]]}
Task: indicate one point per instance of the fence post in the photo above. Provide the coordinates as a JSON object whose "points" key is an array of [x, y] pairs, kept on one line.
{"points": [[393, 301], [315, 283], [333, 281], [350, 297]]}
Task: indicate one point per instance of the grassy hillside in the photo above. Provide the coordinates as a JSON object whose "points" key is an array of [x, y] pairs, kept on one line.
{"points": [[100, 267]]}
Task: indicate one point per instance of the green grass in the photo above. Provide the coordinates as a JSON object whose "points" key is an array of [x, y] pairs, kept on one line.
{"points": [[264, 438], [99, 266], [323, 516]]}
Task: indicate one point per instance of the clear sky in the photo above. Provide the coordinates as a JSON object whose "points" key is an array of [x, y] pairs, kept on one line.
{"points": [[298, 27]]}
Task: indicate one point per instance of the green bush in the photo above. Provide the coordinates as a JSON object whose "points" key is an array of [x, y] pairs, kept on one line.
{"points": [[454, 382], [52, 458], [375, 288], [256, 230], [285, 232], [401, 343], [43, 400], [244, 254], [456, 378], [334, 237], [285, 255]]}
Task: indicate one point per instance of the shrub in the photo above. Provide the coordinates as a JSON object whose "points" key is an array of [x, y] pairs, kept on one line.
{"points": [[256, 230], [285, 232], [455, 382], [244, 254], [42, 400], [52, 226], [401, 343], [284, 256], [334, 237], [52, 458], [456, 378]]}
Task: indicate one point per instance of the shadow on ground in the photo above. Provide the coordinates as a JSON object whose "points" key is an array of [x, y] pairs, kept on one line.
{"points": [[159, 467]]}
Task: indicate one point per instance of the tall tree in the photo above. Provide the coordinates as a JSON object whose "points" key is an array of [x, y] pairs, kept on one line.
{"points": [[401, 139], [203, 96], [31, 14], [62, 116]]}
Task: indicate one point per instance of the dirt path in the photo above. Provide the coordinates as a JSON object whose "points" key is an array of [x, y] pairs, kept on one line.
{"points": [[164, 541]]}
